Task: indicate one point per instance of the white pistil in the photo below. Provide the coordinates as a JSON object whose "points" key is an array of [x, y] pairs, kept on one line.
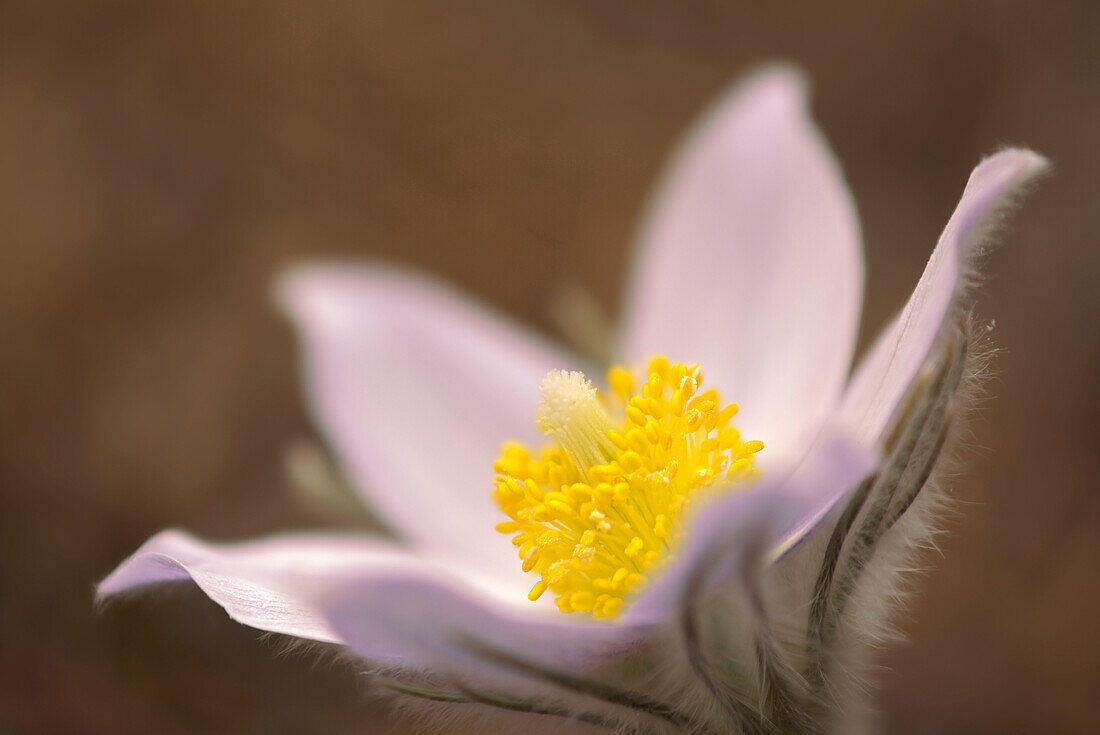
{"points": [[571, 411]]}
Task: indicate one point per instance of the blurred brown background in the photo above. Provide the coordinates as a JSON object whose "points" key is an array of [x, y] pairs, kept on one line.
{"points": [[159, 162]]}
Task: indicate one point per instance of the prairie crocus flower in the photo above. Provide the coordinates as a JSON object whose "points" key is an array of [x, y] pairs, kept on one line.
{"points": [[713, 586]]}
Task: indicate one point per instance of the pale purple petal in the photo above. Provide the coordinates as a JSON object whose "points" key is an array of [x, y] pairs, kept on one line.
{"points": [[750, 263], [386, 604], [271, 584], [286, 584], [416, 388], [884, 376]]}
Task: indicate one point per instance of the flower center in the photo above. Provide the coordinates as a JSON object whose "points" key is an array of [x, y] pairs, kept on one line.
{"points": [[603, 506]]}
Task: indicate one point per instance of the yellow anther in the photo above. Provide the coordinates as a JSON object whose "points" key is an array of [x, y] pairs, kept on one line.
{"points": [[705, 401], [637, 441], [658, 365], [688, 386], [739, 470], [631, 460], [597, 509], [730, 438], [579, 493], [600, 521], [563, 510], [709, 445], [604, 492], [694, 419], [635, 415], [604, 472], [617, 439], [583, 555], [621, 381], [533, 488], [558, 497], [582, 601], [556, 572]]}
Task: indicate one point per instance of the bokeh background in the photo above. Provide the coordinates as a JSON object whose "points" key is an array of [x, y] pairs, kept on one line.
{"points": [[159, 162]]}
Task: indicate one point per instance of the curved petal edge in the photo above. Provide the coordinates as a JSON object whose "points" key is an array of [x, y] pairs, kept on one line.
{"points": [[270, 584], [883, 377], [750, 263]]}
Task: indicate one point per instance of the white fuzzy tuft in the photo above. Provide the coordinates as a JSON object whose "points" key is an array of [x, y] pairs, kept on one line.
{"points": [[564, 397], [571, 411]]}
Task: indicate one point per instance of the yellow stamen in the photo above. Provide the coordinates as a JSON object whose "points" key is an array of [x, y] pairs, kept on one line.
{"points": [[593, 515]]}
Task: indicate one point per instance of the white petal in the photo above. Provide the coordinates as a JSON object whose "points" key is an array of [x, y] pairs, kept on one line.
{"points": [[416, 387], [750, 262], [883, 377], [272, 584]]}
